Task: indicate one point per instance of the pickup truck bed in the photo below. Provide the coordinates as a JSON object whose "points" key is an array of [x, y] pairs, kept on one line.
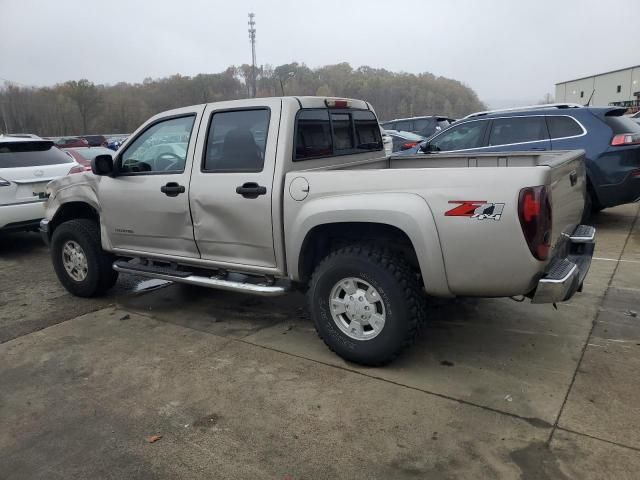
{"points": [[458, 255]]}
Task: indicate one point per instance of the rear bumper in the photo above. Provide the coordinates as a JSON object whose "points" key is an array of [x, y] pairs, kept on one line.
{"points": [[21, 216], [44, 230], [565, 274], [627, 191]]}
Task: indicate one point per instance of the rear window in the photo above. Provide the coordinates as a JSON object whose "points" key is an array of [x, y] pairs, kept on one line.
{"points": [[622, 125], [323, 133], [561, 127], [421, 123], [31, 154], [505, 131]]}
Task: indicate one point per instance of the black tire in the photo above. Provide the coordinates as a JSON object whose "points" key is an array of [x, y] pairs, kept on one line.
{"points": [[400, 292], [100, 275]]}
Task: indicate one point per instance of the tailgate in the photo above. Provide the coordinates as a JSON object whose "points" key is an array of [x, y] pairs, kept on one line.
{"points": [[568, 189]]}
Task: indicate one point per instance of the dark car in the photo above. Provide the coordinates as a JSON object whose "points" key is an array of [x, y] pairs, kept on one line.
{"points": [[423, 126], [96, 140], [611, 142], [84, 155], [71, 142], [404, 140]]}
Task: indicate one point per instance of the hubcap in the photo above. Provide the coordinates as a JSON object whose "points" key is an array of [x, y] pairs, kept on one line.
{"points": [[357, 309], [74, 261]]}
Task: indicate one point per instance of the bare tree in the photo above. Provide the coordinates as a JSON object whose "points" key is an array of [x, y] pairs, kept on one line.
{"points": [[87, 98]]}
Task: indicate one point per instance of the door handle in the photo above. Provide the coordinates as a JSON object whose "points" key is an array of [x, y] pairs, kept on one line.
{"points": [[573, 178], [251, 190], [172, 189], [538, 149]]}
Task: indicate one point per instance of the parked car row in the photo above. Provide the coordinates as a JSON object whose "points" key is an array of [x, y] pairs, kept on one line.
{"points": [[610, 139], [113, 143]]}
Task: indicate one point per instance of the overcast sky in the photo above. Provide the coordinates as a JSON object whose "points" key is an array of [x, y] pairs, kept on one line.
{"points": [[507, 50]]}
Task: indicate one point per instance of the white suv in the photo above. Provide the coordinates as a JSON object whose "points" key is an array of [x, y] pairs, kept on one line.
{"points": [[26, 166]]}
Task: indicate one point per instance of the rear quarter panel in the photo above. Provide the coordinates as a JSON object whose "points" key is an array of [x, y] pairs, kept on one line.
{"points": [[458, 254]]}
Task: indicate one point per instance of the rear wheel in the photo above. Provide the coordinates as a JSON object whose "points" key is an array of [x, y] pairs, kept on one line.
{"points": [[81, 265], [366, 303]]}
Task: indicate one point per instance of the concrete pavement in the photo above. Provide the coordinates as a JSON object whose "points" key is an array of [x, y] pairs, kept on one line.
{"points": [[241, 387]]}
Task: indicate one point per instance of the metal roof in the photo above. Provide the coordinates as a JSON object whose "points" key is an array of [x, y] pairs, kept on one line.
{"points": [[599, 74]]}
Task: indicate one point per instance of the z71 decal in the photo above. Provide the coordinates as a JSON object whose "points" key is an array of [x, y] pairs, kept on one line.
{"points": [[478, 209]]}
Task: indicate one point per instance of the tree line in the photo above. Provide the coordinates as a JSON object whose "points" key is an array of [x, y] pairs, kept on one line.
{"points": [[81, 107]]}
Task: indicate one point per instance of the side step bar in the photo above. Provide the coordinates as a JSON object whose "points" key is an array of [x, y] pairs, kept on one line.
{"points": [[201, 281]]}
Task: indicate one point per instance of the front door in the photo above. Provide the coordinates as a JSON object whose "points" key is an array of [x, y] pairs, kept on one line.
{"points": [[146, 205], [231, 187]]}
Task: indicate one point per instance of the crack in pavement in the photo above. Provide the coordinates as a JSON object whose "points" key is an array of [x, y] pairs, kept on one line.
{"points": [[588, 340]]}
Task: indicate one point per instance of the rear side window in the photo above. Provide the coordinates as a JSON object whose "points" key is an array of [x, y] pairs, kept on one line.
{"points": [[622, 125], [236, 141], [406, 125], [421, 123], [561, 127], [31, 154], [323, 133], [505, 131]]}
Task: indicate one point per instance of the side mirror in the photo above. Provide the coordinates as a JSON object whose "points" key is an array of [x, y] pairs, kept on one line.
{"points": [[102, 165], [425, 147]]}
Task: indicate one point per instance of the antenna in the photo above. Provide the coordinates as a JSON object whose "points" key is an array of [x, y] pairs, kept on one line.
{"points": [[590, 98], [252, 39]]}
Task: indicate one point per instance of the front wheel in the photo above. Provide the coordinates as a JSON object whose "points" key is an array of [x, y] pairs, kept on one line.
{"points": [[81, 265], [366, 303]]}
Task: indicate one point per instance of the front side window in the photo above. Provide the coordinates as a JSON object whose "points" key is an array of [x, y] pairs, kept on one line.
{"points": [[236, 141], [160, 148], [461, 137], [561, 127], [505, 131]]}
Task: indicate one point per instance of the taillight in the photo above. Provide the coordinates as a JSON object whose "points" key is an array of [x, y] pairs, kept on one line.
{"points": [[625, 139], [534, 210], [408, 145], [76, 169]]}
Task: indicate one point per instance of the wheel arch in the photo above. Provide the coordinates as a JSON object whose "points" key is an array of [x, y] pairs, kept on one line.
{"points": [[402, 222]]}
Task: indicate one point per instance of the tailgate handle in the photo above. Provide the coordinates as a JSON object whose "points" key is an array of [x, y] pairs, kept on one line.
{"points": [[573, 178]]}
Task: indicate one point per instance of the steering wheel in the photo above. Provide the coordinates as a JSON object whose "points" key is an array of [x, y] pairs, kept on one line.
{"points": [[169, 159]]}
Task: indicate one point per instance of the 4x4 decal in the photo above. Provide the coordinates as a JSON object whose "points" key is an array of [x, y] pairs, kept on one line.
{"points": [[478, 209]]}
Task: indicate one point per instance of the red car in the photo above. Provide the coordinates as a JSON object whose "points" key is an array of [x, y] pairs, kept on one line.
{"points": [[84, 155], [71, 142]]}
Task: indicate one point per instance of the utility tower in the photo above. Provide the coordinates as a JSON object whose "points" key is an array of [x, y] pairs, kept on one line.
{"points": [[252, 38]]}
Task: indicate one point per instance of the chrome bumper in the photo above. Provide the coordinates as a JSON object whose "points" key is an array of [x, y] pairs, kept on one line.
{"points": [[565, 274], [44, 230]]}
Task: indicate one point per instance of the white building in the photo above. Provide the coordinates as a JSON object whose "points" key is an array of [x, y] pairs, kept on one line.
{"points": [[618, 87]]}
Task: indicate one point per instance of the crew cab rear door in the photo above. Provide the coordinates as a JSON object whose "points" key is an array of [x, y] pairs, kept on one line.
{"points": [[231, 194], [145, 206]]}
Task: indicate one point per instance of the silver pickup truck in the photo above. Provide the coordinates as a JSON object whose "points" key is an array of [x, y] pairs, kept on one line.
{"points": [[265, 195]]}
